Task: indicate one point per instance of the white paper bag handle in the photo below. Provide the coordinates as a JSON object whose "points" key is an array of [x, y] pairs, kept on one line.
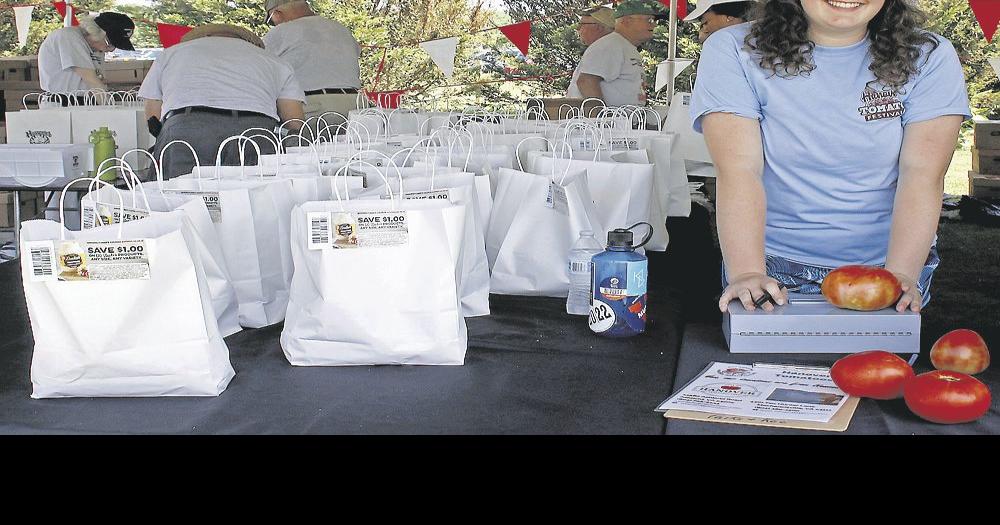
{"points": [[268, 134], [197, 163], [243, 161], [517, 149], [62, 204], [344, 169], [131, 180], [321, 118]]}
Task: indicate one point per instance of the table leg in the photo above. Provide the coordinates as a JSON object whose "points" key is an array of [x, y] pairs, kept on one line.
{"points": [[17, 223]]}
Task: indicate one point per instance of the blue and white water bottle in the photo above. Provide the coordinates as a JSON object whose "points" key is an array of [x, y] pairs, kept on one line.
{"points": [[618, 286]]}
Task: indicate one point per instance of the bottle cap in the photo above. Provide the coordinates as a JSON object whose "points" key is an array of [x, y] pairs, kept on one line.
{"points": [[620, 238]]}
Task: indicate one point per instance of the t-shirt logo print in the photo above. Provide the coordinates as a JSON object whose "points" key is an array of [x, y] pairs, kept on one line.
{"points": [[877, 105]]}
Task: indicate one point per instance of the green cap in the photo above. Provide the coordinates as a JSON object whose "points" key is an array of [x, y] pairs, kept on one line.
{"points": [[639, 7]]}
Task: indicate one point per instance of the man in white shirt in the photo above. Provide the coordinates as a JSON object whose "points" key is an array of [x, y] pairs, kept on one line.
{"points": [[217, 82], [70, 58], [594, 24], [323, 53], [611, 68]]}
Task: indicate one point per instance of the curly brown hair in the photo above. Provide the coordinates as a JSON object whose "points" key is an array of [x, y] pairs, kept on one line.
{"points": [[779, 37]]}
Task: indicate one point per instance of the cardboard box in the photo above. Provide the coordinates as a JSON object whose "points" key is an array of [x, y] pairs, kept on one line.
{"points": [[986, 161], [984, 186], [559, 108], [32, 204], [809, 324], [986, 135], [19, 68]]}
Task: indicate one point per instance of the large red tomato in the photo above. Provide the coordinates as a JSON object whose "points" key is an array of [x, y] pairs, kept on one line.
{"points": [[962, 351], [876, 374], [857, 287], [947, 397]]}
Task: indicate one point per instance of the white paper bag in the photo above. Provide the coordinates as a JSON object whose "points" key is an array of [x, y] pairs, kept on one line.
{"points": [[384, 304], [39, 126], [153, 333], [474, 283], [543, 217]]}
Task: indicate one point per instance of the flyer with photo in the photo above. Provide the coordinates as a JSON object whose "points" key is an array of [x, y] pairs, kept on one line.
{"points": [[788, 392]]}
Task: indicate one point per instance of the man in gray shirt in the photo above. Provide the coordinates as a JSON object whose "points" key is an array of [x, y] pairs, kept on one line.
{"points": [[218, 82], [323, 53], [70, 58], [611, 68]]}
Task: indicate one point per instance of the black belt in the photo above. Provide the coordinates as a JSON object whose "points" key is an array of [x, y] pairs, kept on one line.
{"points": [[332, 91], [218, 111]]}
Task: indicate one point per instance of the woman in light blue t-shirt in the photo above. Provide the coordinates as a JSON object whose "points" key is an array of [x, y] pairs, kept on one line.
{"points": [[831, 124]]}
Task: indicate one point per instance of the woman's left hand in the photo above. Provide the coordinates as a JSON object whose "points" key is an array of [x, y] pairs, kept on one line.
{"points": [[911, 297]]}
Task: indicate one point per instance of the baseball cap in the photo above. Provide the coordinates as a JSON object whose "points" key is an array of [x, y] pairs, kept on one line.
{"points": [[639, 7], [271, 4], [705, 5], [604, 15], [118, 28]]}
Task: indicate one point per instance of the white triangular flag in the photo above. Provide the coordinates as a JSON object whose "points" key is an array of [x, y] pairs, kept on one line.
{"points": [[22, 19], [995, 62], [442, 52], [662, 74]]}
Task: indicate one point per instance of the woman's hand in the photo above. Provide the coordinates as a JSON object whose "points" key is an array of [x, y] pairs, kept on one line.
{"points": [[749, 287], [911, 297]]}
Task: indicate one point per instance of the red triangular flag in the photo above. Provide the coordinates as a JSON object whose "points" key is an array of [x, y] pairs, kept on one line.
{"points": [[682, 8], [988, 15], [519, 34], [170, 34], [61, 8]]}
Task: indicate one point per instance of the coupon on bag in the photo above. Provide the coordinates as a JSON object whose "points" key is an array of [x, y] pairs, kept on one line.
{"points": [[121, 310], [376, 283]]}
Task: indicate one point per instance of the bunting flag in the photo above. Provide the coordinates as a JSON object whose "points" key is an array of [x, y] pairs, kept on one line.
{"points": [[61, 7], [988, 15], [170, 34], [519, 34], [22, 19], [442, 52], [682, 7], [662, 77], [995, 64]]}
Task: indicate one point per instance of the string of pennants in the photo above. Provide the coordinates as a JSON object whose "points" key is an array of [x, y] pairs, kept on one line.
{"points": [[442, 51]]}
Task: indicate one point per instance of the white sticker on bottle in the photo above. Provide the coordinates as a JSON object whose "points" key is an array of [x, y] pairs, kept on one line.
{"points": [[556, 199], [102, 260], [602, 316], [211, 199]]}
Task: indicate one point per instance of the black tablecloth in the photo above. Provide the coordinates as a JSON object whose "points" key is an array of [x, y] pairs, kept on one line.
{"points": [[704, 343], [530, 369]]}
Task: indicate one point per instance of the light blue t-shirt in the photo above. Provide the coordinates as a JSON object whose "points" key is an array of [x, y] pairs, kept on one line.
{"points": [[831, 147]]}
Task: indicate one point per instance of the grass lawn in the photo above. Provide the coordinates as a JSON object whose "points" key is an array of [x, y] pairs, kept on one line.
{"points": [[956, 181]]}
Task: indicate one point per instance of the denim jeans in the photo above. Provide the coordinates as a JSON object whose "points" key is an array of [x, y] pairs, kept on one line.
{"points": [[807, 279]]}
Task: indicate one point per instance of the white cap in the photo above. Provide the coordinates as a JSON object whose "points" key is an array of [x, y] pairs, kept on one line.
{"points": [[703, 6]]}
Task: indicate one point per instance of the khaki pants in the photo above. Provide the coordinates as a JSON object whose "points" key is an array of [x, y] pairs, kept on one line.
{"points": [[316, 105]]}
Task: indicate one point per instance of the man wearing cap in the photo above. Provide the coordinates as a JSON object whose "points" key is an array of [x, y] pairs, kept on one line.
{"points": [[718, 14], [323, 53], [594, 24], [70, 58], [217, 82], [611, 68]]}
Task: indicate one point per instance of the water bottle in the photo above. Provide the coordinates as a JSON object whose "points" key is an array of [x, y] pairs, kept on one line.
{"points": [[618, 307], [104, 149], [578, 301]]}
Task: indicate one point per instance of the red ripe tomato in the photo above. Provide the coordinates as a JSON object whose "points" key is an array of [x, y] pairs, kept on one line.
{"points": [[865, 288], [962, 351], [876, 374], [947, 397]]}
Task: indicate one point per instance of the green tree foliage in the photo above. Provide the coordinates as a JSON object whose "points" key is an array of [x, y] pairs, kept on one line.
{"points": [[484, 56]]}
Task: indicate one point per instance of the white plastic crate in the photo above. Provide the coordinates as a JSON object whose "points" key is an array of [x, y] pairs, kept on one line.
{"points": [[39, 165]]}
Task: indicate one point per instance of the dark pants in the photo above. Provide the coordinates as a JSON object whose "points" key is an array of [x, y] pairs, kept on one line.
{"points": [[205, 132]]}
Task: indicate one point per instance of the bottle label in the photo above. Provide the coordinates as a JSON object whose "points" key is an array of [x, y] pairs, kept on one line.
{"points": [[618, 306]]}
